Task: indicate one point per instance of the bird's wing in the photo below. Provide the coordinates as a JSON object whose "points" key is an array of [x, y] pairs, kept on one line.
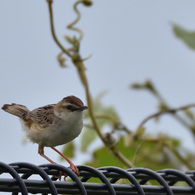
{"points": [[44, 116]]}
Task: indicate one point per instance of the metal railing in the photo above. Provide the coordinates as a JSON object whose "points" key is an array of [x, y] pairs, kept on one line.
{"points": [[26, 178]]}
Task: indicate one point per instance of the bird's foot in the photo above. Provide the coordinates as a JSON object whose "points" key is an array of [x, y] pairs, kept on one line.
{"points": [[60, 173], [74, 169], [59, 176]]}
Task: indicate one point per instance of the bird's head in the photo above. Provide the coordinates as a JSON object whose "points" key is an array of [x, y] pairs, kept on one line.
{"points": [[70, 107]]}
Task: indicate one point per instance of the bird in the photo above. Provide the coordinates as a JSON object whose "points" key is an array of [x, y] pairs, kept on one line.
{"points": [[51, 125]]}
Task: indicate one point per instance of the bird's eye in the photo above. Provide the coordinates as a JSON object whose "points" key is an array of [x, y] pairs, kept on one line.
{"points": [[69, 107]]}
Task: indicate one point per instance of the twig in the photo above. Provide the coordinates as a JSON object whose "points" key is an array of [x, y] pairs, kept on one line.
{"points": [[178, 155], [163, 104], [170, 111]]}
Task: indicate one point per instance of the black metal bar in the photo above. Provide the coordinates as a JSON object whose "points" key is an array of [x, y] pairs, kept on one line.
{"points": [[179, 174], [26, 179], [71, 174], [15, 175], [154, 175], [125, 174], [42, 173], [99, 175]]}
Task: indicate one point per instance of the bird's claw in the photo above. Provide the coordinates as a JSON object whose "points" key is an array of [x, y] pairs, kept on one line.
{"points": [[74, 169], [59, 176], [60, 173]]}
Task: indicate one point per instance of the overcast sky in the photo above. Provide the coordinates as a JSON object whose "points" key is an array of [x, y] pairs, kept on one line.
{"points": [[130, 41]]}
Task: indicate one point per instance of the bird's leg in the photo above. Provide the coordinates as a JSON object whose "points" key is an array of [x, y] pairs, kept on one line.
{"points": [[72, 166], [41, 152]]}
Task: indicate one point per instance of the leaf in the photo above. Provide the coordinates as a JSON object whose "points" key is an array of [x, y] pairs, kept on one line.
{"points": [[103, 157], [68, 150], [69, 39], [149, 154], [61, 60], [87, 3], [189, 114], [73, 41], [146, 85], [87, 137], [174, 142], [97, 104], [140, 131], [104, 114], [186, 36], [128, 139], [163, 107]]}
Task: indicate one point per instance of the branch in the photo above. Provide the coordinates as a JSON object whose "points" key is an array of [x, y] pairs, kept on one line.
{"points": [[170, 111], [163, 104]]}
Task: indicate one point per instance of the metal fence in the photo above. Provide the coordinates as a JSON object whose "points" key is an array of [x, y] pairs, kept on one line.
{"points": [[26, 178]]}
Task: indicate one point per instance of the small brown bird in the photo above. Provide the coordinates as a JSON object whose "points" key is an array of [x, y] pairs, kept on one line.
{"points": [[51, 125]]}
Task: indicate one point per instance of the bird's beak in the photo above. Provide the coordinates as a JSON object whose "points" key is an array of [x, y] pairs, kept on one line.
{"points": [[83, 108]]}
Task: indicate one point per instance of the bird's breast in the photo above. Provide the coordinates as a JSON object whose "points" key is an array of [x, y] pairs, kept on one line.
{"points": [[54, 134]]}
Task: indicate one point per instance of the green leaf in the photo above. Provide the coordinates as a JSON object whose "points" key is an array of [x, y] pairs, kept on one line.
{"points": [[149, 154], [69, 39], [174, 142], [163, 107], [140, 131], [189, 114], [105, 115], [87, 137], [103, 157], [68, 150], [87, 3], [186, 36], [61, 60], [146, 85]]}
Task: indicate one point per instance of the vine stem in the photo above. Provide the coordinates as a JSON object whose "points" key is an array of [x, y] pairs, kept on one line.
{"points": [[114, 151], [70, 26], [79, 64], [53, 30]]}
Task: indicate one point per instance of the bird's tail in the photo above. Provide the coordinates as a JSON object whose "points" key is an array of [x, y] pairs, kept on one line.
{"points": [[17, 110]]}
